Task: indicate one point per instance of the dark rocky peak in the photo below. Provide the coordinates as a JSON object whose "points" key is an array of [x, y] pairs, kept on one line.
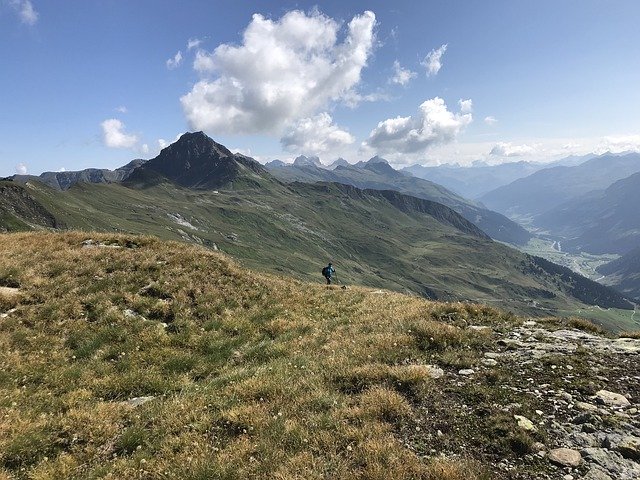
{"points": [[195, 145]]}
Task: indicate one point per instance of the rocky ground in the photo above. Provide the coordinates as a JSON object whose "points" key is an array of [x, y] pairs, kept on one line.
{"points": [[572, 396]]}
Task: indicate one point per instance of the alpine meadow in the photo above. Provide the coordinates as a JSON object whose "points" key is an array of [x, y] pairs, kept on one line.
{"points": [[297, 240]]}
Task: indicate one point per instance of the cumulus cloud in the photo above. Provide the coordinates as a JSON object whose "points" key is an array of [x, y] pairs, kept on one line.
{"points": [[506, 149], [401, 76], [282, 71], [175, 61], [114, 136], [490, 120], [162, 143], [21, 169], [25, 10], [433, 125], [466, 106], [316, 135], [433, 61], [193, 43]]}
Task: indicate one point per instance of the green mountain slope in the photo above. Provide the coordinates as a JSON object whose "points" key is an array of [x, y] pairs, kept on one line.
{"points": [[606, 221], [378, 174], [624, 274], [375, 238]]}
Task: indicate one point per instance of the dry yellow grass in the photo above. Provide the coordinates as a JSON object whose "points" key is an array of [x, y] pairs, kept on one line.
{"points": [[252, 376]]}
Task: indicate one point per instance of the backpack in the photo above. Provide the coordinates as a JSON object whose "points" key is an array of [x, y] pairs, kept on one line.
{"points": [[325, 271]]}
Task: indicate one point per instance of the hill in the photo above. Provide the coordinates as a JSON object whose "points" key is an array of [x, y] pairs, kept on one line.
{"points": [[624, 274], [551, 187], [606, 221], [128, 357], [378, 174], [65, 180]]}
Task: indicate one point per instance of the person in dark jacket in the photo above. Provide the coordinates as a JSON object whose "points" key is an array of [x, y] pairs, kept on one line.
{"points": [[328, 272]]}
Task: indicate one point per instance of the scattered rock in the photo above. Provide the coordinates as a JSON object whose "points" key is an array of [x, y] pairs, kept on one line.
{"points": [[586, 407], [629, 447], [9, 292], [525, 424], [489, 362], [538, 447], [466, 371], [611, 399], [434, 372], [137, 401], [565, 457]]}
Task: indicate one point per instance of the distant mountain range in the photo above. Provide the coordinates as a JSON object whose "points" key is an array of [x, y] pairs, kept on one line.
{"points": [[197, 191], [479, 178], [378, 174], [551, 187]]}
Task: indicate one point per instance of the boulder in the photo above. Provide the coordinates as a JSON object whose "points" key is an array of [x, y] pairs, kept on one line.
{"points": [[565, 457], [611, 399]]}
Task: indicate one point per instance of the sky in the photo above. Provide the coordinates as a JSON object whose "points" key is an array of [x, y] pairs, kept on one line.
{"points": [[97, 83]]}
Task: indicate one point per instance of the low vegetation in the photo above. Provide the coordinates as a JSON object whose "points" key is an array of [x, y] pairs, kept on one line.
{"points": [[129, 357]]}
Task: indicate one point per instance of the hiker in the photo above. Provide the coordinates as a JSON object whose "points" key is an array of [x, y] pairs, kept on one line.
{"points": [[327, 272]]}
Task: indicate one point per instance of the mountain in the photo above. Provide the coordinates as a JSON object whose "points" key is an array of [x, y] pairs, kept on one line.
{"points": [[340, 162], [603, 221], [303, 161], [479, 178], [65, 180], [196, 161], [624, 274], [275, 163], [550, 187], [378, 174], [375, 237]]}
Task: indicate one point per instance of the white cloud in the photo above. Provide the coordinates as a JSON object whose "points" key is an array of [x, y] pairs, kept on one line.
{"points": [[114, 135], [619, 144], [21, 169], [466, 106], [144, 148], [490, 120], [284, 70], [433, 125], [433, 61], [25, 10], [62, 169], [193, 43], [175, 61], [162, 143], [506, 149], [121, 109], [316, 135], [401, 76]]}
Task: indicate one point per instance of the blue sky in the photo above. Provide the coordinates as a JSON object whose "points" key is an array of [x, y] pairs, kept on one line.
{"points": [[97, 83]]}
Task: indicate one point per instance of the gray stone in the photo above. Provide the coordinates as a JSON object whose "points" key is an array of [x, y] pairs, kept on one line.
{"points": [[466, 371], [597, 473], [489, 362], [434, 372], [565, 457], [612, 399], [629, 447]]}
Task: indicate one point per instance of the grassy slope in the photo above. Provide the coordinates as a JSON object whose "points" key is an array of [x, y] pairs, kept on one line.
{"points": [[370, 242], [252, 376]]}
